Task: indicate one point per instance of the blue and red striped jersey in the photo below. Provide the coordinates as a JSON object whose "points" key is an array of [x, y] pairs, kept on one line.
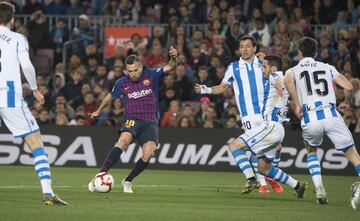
{"points": [[140, 97]]}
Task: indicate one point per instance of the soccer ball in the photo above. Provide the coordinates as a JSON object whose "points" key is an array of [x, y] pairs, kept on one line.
{"points": [[103, 183]]}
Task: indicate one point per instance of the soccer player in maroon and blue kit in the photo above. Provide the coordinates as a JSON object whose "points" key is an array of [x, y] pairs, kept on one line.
{"points": [[139, 91]]}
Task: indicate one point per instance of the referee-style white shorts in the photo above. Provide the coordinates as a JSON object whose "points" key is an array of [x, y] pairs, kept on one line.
{"points": [[334, 127], [263, 141], [19, 120]]}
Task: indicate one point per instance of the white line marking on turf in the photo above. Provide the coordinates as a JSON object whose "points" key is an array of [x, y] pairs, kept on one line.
{"points": [[139, 186]]}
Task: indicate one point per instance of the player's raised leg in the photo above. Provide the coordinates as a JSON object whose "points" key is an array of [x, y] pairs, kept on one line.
{"points": [[114, 154], [148, 150], [243, 163], [313, 165], [268, 170], [261, 179], [42, 168], [354, 158]]}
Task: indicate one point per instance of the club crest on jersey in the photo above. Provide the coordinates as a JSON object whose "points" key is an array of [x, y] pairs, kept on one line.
{"points": [[146, 82]]}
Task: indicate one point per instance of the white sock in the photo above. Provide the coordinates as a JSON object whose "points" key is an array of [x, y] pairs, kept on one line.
{"points": [[314, 168], [260, 178], [42, 168]]}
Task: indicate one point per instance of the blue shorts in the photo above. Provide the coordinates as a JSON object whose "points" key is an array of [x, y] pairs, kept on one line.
{"points": [[142, 131]]}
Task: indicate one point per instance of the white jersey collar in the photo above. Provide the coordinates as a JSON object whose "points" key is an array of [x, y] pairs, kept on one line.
{"points": [[307, 59], [255, 61]]}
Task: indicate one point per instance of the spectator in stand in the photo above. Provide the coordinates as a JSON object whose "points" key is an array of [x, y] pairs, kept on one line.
{"points": [[342, 54], [184, 122], [91, 50], [170, 31], [111, 8], [74, 63], [156, 57], [43, 118], [73, 87], [203, 77], [169, 94], [74, 8], [59, 34], [279, 15], [116, 72], [39, 34], [100, 77], [328, 12], [184, 84], [116, 113], [261, 32], [89, 107], [232, 40], [197, 58], [158, 33], [79, 100], [128, 12], [168, 12], [55, 7], [92, 64], [61, 120], [31, 7], [44, 90], [341, 20], [185, 15], [169, 117], [120, 53], [231, 123], [136, 41], [83, 32]]}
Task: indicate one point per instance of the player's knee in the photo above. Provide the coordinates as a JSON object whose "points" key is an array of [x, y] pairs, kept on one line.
{"points": [[34, 140], [311, 150], [147, 155], [236, 145]]}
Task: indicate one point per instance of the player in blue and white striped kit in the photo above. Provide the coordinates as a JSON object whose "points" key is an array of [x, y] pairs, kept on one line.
{"points": [[260, 137], [315, 105], [14, 52]]}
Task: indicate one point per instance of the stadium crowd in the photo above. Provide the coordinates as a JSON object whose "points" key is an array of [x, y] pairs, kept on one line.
{"points": [[73, 92]]}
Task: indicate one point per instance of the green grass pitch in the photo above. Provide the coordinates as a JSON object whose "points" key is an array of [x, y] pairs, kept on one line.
{"points": [[166, 195]]}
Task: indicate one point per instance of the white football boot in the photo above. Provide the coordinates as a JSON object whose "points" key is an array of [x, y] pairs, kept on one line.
{"points": [[321, 195], [127, 186], [355, 198]]}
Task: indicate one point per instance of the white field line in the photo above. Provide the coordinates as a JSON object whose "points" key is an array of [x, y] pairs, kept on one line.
{"points": [[136, 186]]}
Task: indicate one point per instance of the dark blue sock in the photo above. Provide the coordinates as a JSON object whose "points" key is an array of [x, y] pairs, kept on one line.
{"points": [[111, 159], [139, 167]]}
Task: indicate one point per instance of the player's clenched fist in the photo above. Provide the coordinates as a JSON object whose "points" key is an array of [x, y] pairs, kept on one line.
{"points": [[202, 89]]}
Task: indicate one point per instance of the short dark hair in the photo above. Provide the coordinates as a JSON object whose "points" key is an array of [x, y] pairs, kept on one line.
{"points": [[307, 46], [131, 59], [274, 60], [248, 37], [7, 11]]}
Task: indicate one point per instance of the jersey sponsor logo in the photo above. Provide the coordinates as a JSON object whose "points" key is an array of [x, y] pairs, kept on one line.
{"points": [[146, 82], [139, 94]]}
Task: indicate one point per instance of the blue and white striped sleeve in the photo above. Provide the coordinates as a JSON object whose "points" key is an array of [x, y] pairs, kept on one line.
{"points": [[229, 75]]}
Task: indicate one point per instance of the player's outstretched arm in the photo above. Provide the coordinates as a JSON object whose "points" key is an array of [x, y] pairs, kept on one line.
{"points": [[218, 89], [107, 101], [344, 83], [173, 60], [29, 72], [290, 87]]}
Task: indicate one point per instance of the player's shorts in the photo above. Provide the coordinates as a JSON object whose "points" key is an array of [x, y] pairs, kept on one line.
{"points": [[143, 131], [334, 127], [263, 141], [19, 120]]}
